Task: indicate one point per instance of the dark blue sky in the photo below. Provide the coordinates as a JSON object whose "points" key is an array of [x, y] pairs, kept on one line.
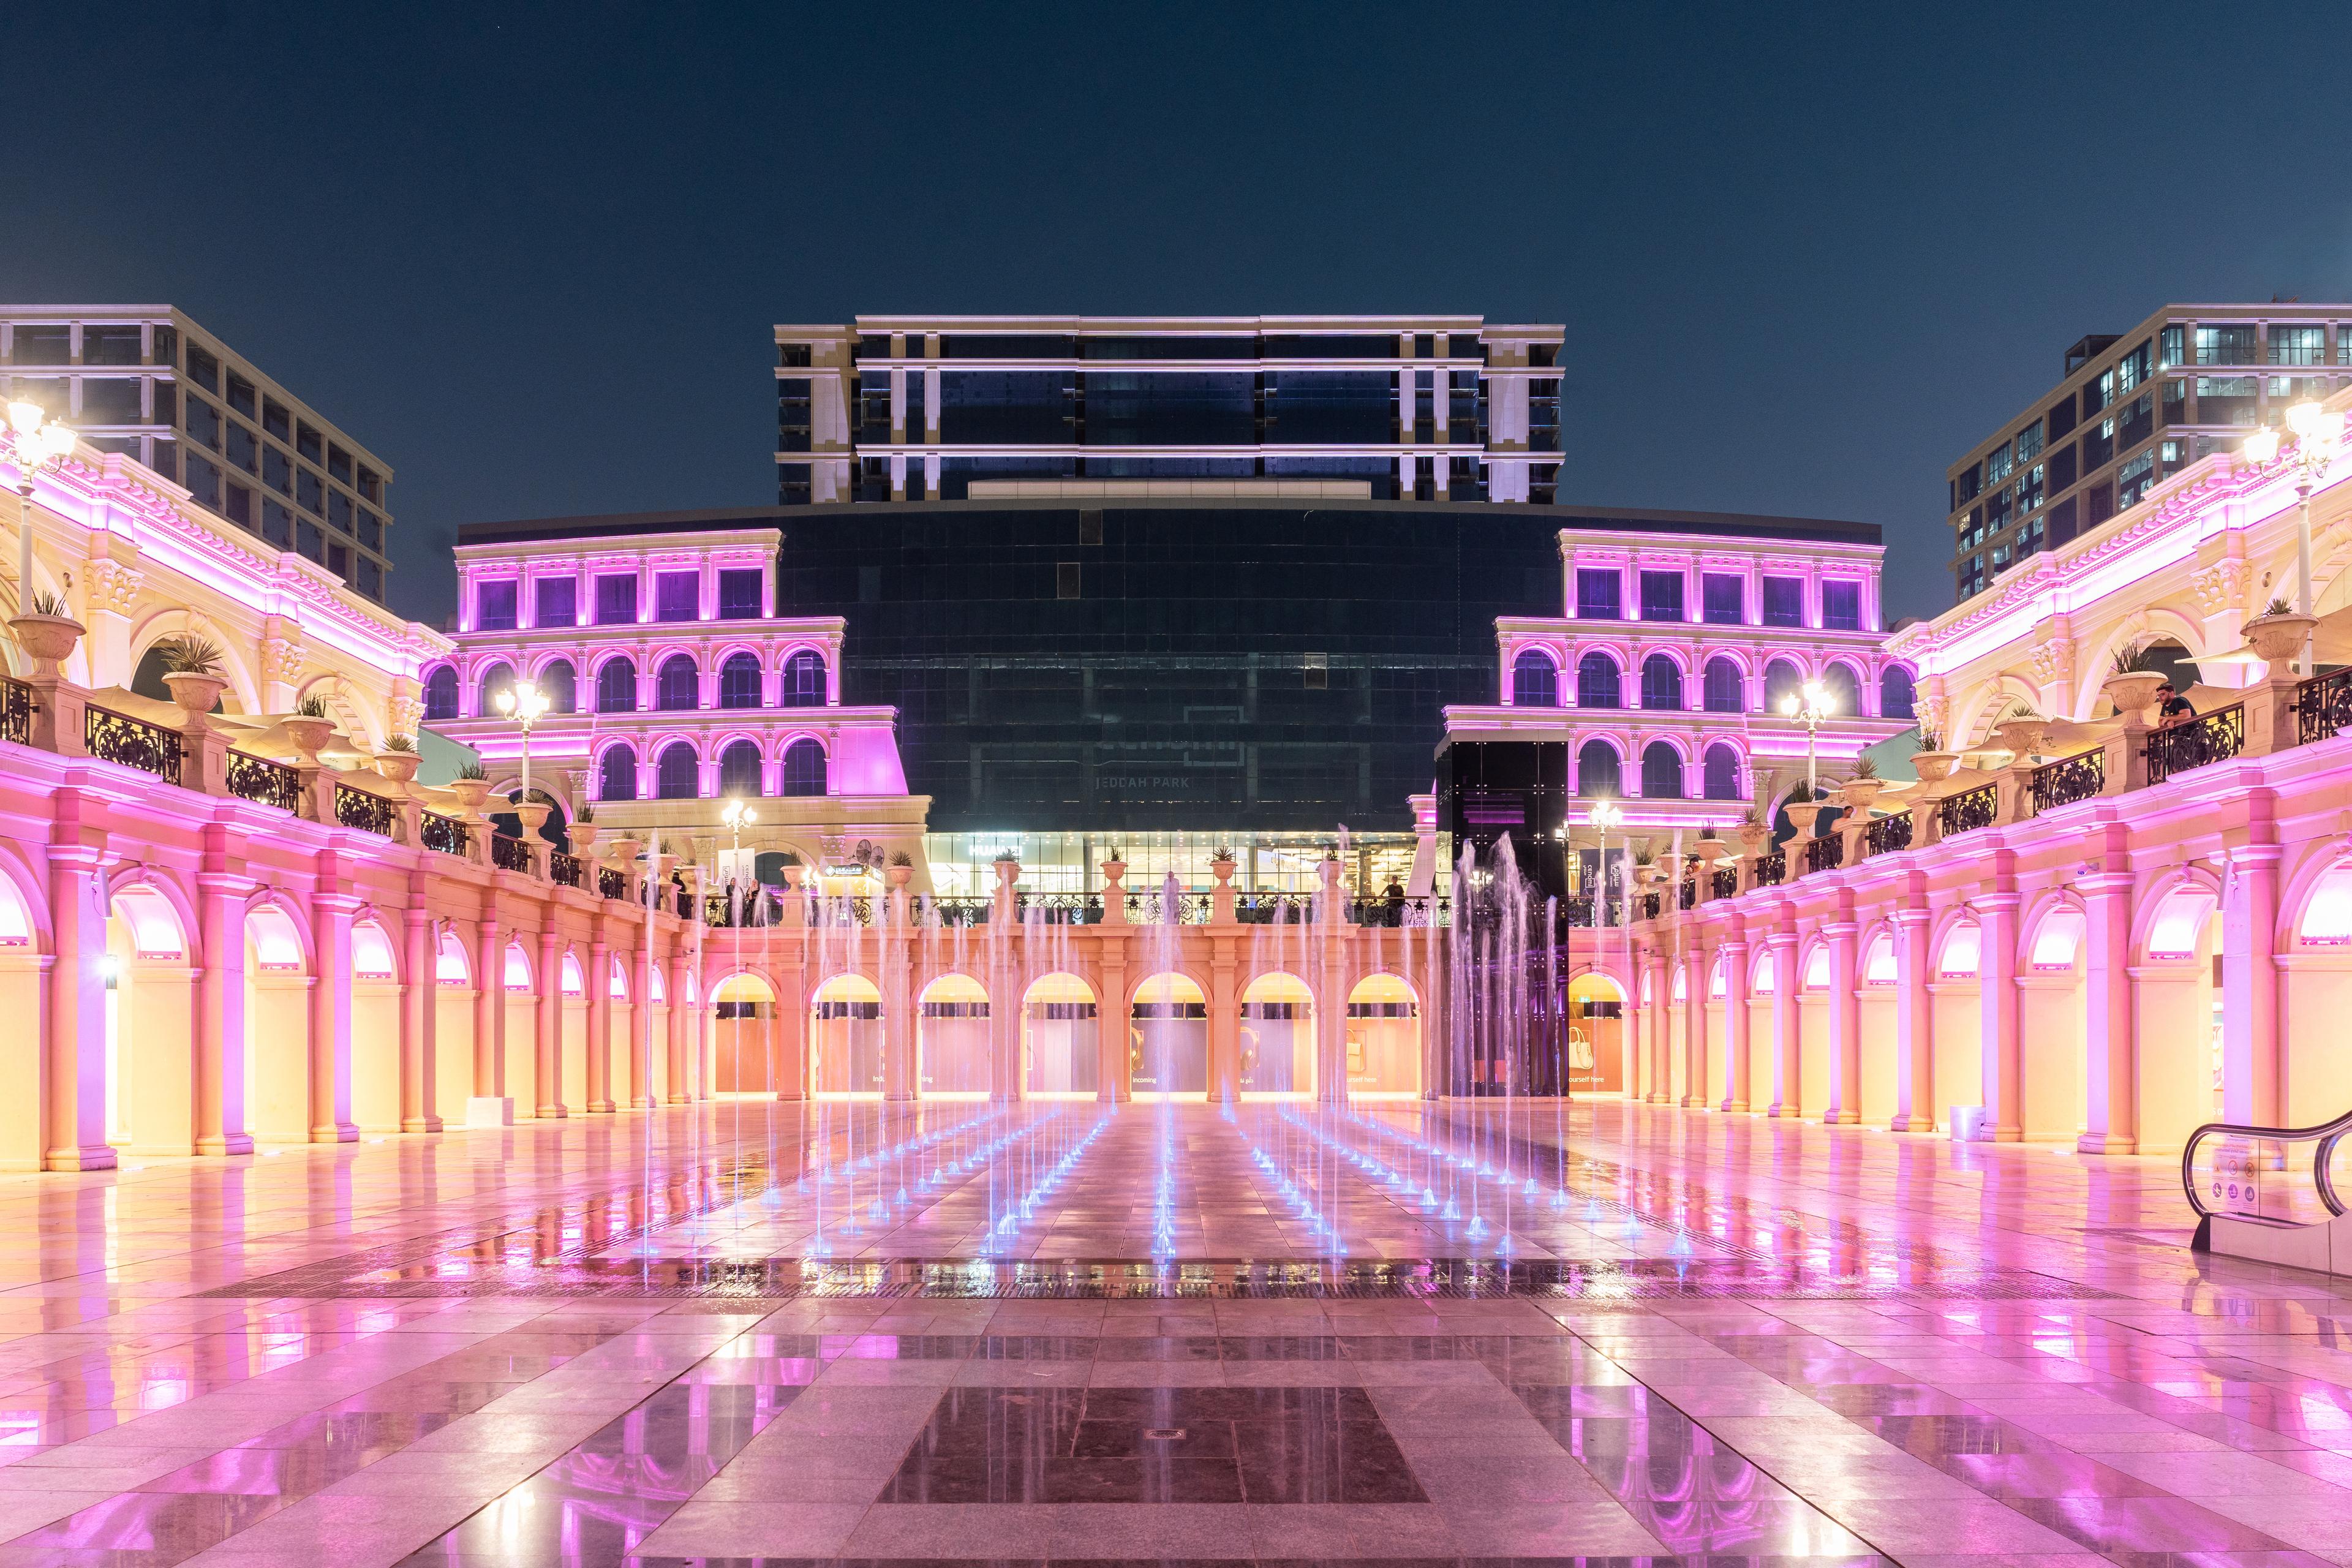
{"points": [[1806, 255]]}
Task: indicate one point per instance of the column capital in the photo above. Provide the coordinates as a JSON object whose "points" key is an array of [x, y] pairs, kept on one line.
{"points": [[1996, 903]]}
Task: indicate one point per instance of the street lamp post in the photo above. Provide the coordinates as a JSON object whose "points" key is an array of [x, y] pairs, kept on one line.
{"points": [[1808, 706], [40, 442], [1606, 814], [523, 703], [2317, 436]]}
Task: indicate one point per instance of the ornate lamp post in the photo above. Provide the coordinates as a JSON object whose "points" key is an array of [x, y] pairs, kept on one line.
{"points": [[1606, 814], [1810, 705], [523, 703], [2318, 434], [41, 442]]}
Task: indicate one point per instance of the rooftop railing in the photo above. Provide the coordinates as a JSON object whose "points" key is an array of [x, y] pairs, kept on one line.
{"points": [[265, 783], [1887, 835], [2214, 737], [2069, 779], [133, 743], [1968, 811], [444, 833], [363, 810]]}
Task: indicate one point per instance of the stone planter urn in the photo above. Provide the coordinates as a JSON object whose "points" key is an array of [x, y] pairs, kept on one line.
{"points": [[1802, 814], [48, 640], [2022, 738], [1752, 836], [583, 837], [2277, 637], [792, 875], [625, 849], [1008, 871], [2133, 694], [533, 813], [310, 734], [899, 876], [1710, 850], [398, 766], [196, 693], [470, 793], [1934, 767], [1857, 794]]}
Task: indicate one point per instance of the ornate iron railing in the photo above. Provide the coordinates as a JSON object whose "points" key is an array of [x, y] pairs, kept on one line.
{"points": [[360, 809], [1887, 835], [16, 706], [1967, 811], [1578, 910], [2215, 738], [509, 853], [446, 834], [683, 903], [1298, 909], [1727, 882], [2323, 707], [2069, 779], [1649, 906], [1824, 854], [1772, 869], [612, 884], [1059, 909], [961, 912], [1686, 894], [563, 869], [1192, 909], [133, 743], [265, 783]]}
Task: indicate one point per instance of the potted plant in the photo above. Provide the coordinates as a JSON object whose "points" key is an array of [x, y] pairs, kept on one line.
{"points": [[2133, 676], [1752, 831], [1933, 763], [309, 727], [2277, 634], [398, 760], [583, 829], [471, 786], [1803, 807], [1862, 785], [48, 634], [1711, 846], [901, 869], [1008, 867], [192, 669], [794, 872], [2023, 733]]}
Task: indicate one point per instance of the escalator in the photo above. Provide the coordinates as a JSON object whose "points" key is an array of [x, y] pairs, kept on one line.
{"points": [[2269, 1193]]}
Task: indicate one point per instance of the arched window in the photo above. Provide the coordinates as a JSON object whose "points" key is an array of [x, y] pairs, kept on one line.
{"points": [[1596, 771], [1662, 683], [677, 689], [617, 779], [739, 681], [804, 681], [1720, 771], [1895, 693], [1781, 679], [1725, 690], [804, 768], [674, 775], [1661, 772], [441, 694], [739, 769], [1535, 683], [498, 677], [616, 687], [1844, 689], [559, 687], [1596, 681]]}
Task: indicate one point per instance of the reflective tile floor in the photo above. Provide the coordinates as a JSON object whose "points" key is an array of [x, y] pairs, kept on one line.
{"points": [[1061, 1333]]}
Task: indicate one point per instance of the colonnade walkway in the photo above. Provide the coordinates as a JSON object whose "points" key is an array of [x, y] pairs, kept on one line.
{"points": [[1063, 1331]]}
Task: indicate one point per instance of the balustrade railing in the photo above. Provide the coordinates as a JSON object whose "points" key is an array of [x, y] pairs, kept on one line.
{"points": [[2069, 779], [960, 911], [133, 743], [16, 707], [1294, 909], [1686, 894], [1772, 869], [2323, 707], [611, 884], [1144, 908], [509, 853], [263, 782], [1967, 811], [1059, 909], [1824, 854], [446, 833], [1887, 835], [1649, 906], [563, 869], [2215, 738], [1727, 882], [360, 809]]}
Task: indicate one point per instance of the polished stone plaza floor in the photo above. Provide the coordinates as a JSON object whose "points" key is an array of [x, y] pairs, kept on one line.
{"points": [[1055, 1333]]}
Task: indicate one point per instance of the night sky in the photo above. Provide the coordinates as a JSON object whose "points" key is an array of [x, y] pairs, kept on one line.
{"points": [[1806, 255]]}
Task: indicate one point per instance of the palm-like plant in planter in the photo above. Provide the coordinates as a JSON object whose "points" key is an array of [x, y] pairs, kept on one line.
{"points": [[2133, 675], [2278, 633], [309, 727], [398, 760], [471, 786], [47, 634], [192, 669]]}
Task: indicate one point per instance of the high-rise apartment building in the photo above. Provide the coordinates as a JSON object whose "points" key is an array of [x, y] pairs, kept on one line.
{"points": [[148, 382], [971, 407], [2130, 409]]}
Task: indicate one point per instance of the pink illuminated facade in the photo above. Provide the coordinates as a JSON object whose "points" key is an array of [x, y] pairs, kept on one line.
{"points": [[672, 688]]}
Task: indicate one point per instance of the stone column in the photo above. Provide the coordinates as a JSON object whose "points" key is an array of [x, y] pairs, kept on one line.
{"points": [[1112, 1021], [681, 1079], [420, 1018], [2111, 1108], [1787, 1086], [599, 1086], [489, 1020], [331, 1013], [1997, 993], [2251, 1078], [547, 1054], [1226, 1025], [1661, 1013], [1914, 1025], [1736, 1055], [74, 1059], [220, 1003], [900, 1040], [1845, 1022], [1697, 970], [1330, 991]]}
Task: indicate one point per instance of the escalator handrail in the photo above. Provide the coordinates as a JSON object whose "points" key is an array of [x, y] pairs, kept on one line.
{"points": [[2329, 1133]]}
